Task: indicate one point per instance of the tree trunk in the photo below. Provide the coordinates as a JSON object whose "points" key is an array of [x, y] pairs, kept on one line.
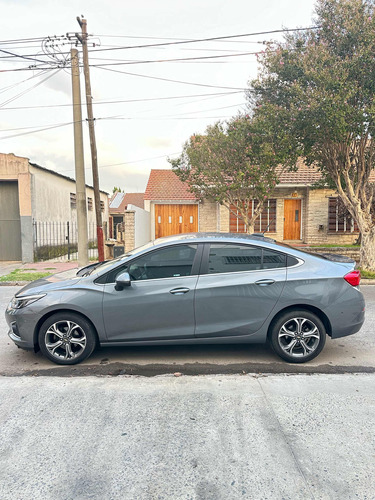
{"points": [[249, 228], [367, 252]]}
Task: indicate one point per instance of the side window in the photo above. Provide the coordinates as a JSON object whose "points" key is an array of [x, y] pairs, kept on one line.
{"points": [[272, 259], [168, 262], [232, 258]]}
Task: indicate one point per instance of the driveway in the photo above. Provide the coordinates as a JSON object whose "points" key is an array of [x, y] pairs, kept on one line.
{"points": [[355, 353]]}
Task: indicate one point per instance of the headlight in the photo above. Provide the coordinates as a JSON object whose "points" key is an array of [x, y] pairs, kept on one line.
{"points": [[20, 302]]}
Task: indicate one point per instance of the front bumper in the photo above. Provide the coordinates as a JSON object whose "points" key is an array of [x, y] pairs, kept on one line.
{"points": [[21, 325]]}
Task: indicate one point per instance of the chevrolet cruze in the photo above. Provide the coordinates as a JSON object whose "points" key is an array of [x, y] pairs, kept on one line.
{"points": [[201, 288]]}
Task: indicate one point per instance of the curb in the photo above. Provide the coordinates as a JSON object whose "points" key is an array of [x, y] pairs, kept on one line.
{"points": [[14, 283]]}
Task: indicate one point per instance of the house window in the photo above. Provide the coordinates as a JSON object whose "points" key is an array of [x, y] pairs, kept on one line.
{"points": [[73, 200], [265, 223], [101, 206], [89, 203], [339, 219]]}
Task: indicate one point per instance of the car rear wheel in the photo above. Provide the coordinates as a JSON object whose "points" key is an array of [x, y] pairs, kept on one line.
{"points": [[67, 338], [298, 336]]}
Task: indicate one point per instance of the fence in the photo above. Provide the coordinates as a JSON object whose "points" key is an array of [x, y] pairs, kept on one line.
{"points": [[59, 240]]}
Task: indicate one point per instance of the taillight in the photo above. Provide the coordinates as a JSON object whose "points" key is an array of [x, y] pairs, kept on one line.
{"points": [[353, 278]]}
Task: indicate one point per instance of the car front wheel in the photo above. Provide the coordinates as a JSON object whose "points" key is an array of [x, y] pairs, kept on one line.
{"points": [[67, 338], [298, 336]]}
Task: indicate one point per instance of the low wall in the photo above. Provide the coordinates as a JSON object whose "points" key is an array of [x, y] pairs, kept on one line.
{"points": [[352, 253]]}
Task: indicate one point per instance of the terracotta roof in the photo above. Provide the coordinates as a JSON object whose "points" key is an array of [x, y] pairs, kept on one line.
{"points": [[119, 202], [303, 176], [165, 185]]}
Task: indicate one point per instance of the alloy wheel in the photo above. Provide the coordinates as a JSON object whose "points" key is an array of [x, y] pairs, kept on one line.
{"points": [[65, 340], [299, 337]]}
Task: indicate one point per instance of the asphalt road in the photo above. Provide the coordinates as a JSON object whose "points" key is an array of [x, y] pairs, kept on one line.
{"points": [[355, 353]]}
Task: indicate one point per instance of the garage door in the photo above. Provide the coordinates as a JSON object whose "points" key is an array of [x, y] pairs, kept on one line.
{"points": [[175, 219], [10, 224]]}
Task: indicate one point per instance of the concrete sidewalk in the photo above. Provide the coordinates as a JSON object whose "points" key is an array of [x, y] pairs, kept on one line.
{"points": [[299, 437]]}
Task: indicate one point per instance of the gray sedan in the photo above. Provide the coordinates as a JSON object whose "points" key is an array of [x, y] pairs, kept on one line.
{"points": [[206, 288]]}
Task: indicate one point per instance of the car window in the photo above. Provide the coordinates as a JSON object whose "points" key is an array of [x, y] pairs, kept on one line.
{"points": [[272, 259], [239, 258], [174, 261]]}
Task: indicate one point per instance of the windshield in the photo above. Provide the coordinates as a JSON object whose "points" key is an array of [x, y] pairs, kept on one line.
{"points": [[102, 266]]}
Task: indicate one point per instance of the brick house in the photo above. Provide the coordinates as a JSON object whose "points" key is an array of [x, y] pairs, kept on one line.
{"points": [[294, 212]]}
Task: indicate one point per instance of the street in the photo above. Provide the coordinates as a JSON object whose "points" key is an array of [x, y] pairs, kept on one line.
{"points": [[354, 354], [263, 432]]}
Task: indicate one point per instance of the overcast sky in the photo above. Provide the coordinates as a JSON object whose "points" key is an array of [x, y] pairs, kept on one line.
{"points": [[138, 135]]}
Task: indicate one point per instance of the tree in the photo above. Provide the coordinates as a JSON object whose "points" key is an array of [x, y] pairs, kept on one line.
{"points": [[318, 87], [233, 165], [116, 190]]}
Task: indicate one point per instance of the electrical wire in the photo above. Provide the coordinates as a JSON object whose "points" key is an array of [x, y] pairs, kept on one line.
{"points": [[11, 99], [214, 94], [169, 79], [286, 30]]}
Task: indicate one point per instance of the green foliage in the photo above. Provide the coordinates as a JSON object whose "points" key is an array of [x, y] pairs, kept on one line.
{"points": [[48, 252], [22, 275], [232, 164], [317, 89], [116, 190]]}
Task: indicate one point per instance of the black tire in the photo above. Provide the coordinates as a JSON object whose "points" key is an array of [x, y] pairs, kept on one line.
{"points": [[67, 338], [306, 340]]}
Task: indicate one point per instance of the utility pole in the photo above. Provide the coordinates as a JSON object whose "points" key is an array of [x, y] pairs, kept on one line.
{"points": [[79, 163], [94, 157]]}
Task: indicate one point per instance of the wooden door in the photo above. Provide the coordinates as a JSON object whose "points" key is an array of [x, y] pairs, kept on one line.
{"points": [[292, 219], [175, 219]]}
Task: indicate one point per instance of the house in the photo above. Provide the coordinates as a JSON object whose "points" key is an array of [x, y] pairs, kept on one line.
{"points": [[118, 204], [129, 223], [38, 208], [295, 212]]}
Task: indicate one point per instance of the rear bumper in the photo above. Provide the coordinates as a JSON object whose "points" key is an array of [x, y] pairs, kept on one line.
{"points": [[347, 314]]}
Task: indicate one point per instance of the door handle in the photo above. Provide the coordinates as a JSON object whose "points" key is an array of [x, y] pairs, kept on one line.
{"points": [[265, 282], [179, 291]]}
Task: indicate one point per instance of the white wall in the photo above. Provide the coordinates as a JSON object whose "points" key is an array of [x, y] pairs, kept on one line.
{"points": [[142, 225], [50, 198]]}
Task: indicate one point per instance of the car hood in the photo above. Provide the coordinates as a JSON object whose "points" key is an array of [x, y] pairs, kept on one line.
{"points": [[56, 281]]}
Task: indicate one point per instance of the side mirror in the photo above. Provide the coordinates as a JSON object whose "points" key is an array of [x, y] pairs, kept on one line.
{"points": [[122, 281]]}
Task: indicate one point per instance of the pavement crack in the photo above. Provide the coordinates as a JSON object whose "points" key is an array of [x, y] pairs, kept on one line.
{"points": [[296, 461]]}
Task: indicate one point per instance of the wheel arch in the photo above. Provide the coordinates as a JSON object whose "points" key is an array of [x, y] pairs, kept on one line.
{"points": [[58, 311], [315, 310]]}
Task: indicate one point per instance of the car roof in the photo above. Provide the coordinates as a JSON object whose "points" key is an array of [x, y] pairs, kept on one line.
{"points": [[211, 236]]}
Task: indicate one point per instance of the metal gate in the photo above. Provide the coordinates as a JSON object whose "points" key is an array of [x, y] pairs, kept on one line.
{"points": [[10, 223]]}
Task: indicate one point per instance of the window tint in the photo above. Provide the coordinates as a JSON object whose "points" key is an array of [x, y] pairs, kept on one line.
{"points": [[239, 258], [291, 261], [234, 258], [271, 259], [168, 262]]}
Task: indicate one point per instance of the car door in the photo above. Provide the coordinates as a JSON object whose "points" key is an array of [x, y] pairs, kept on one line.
{"points": [[237, 289], [159, 303]]}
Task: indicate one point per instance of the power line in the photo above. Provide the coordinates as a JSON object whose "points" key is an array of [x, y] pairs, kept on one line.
{"points": [[286, 30], [11, 99], [129, 162], [169, 79], [214, 94]]}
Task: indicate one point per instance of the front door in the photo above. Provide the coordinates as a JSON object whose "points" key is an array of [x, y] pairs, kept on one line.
{"points": [[175, 219], [159, 303], [292, 219]]}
